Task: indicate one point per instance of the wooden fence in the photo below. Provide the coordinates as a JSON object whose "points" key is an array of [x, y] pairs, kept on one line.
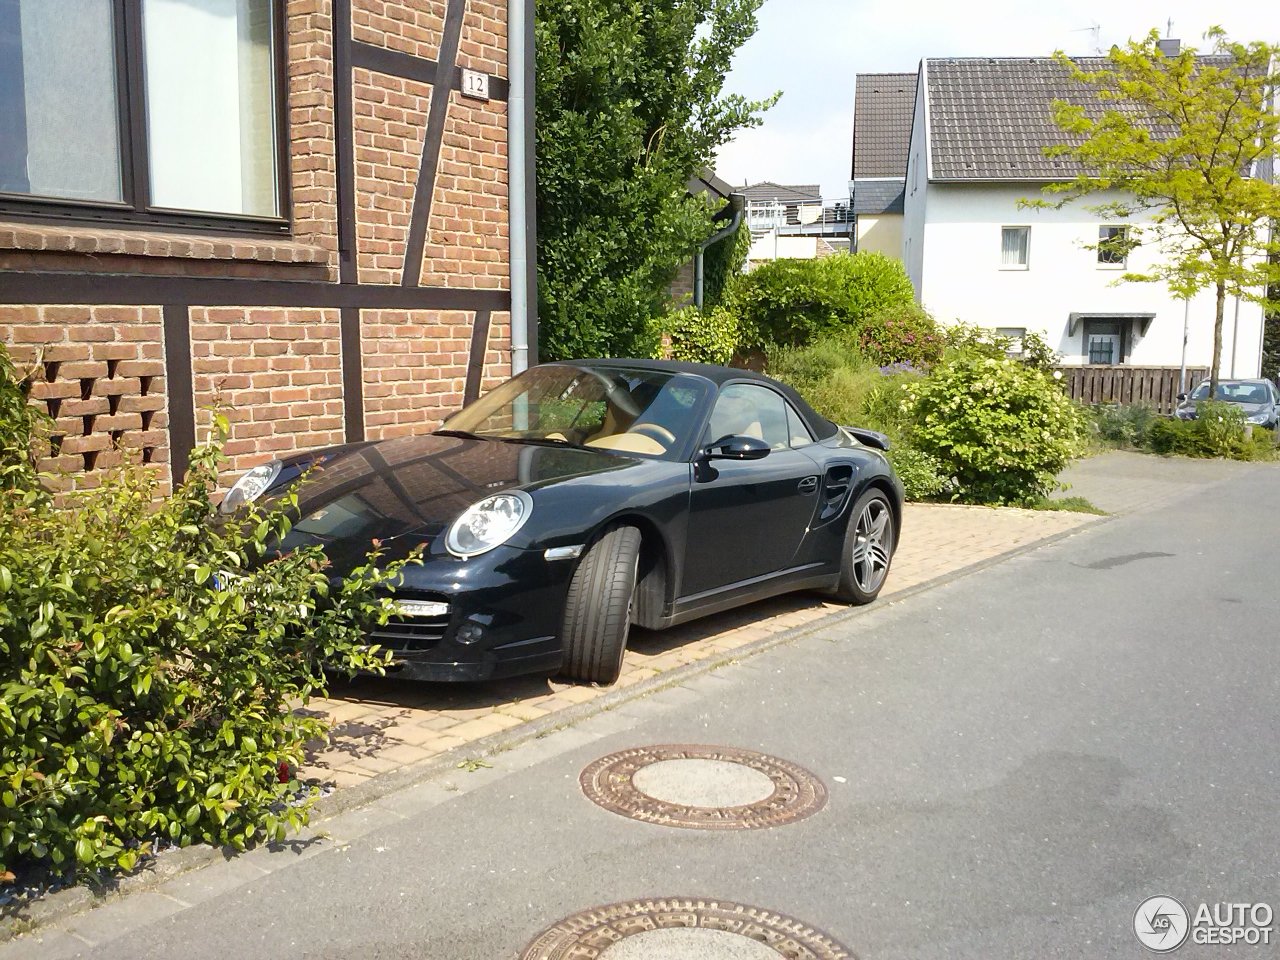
{"points": [[1157, 387]]}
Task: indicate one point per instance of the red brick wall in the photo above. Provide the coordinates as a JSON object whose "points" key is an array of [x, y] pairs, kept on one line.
{"points": [[275, 373], [468, 240], [99, 373], [278, 370], [390, 121], [410, 26]]}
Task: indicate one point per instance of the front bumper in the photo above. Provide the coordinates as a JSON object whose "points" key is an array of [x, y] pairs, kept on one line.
{"points": [[506, 610]]}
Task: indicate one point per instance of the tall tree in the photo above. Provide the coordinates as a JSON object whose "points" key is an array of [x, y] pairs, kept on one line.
{"points": [[1184, 139], [629, 107]]}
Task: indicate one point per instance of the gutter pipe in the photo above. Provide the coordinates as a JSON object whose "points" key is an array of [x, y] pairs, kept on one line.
{"points": [[521, 184], [739, 204]]}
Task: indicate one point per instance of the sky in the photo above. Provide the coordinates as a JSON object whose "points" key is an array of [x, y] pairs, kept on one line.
{"points": [[812, 50]]}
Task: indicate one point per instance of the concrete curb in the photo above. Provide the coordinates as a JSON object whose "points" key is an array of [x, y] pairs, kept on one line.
{"points": [[74, 900]]}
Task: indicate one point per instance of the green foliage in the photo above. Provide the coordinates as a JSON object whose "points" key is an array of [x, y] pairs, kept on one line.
{"points": [[1219, 430], [900, 333], [1179, 137], [1003, 430], [832, 374], [19, 427], [923, 475], [629, 107], [844, 386], [151, 660], [701, 336], [1066, 505], [722, 264], [1123, 425], [794, 302], [1033, 350], [1271, 342]]}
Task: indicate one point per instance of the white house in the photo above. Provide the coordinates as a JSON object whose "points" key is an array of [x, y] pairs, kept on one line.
{"points": [[976, 255]]}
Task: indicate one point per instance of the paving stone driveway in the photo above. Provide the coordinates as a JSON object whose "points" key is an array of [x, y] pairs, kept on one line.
{"points": [[382, 724]]}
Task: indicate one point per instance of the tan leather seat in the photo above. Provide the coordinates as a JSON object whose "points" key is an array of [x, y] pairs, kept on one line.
{"points": [[628, 443]]}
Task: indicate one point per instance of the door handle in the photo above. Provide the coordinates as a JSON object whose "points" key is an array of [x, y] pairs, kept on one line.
{"points": [[808, 485]]}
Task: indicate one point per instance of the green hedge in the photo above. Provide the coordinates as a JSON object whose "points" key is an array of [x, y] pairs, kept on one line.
{"points": [[793, 302], [151, 660]]}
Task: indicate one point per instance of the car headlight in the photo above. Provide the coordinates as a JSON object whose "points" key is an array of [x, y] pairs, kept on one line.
{"points": [[488, 524], [1257, 418], [251, 486]]}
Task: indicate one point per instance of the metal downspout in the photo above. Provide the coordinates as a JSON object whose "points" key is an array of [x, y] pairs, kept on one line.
{"points": [[739, 204], [521, 183]]}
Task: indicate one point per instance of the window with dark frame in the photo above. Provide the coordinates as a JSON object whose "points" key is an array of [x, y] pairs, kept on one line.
{"points": [[143, 111], [1112, 246], [1104, 342]]}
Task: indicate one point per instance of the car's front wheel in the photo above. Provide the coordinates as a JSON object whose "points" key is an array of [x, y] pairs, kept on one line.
{"points": [[868, 549], [597, 610]]}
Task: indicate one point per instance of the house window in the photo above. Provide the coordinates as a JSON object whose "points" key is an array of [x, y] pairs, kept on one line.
{"points": [[1112, 246], [1015, 243], [1103, 342], [1014, 335], [141, 110]]}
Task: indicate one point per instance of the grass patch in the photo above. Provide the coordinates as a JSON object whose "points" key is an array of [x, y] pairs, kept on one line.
{"points": [[1067, 505]]}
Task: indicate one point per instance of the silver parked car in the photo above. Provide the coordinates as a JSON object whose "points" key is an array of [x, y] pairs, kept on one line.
{"points": [[1259, 400]]}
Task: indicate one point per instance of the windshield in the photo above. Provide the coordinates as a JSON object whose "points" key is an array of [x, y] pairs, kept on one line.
{"points": [[1235, 392], [646, 412]]}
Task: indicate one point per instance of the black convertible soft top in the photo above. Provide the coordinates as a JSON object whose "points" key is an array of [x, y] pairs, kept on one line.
{"points": [[821, 427]]}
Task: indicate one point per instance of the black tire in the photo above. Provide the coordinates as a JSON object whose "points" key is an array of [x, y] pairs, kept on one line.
{"points": [[868, 548], [597, 610]]}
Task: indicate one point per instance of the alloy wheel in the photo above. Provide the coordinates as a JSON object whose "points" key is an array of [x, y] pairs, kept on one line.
{"points": [[873, 539]]}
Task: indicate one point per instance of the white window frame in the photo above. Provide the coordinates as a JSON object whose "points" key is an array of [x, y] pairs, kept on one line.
{"points": [[1026, 262]]}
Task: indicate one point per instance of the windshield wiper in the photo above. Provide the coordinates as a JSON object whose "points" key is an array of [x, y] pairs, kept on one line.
{"points": [[543, 442], [464, 434]]}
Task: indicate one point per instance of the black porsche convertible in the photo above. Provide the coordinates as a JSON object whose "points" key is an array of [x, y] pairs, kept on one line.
{"points": [[580, 498]]}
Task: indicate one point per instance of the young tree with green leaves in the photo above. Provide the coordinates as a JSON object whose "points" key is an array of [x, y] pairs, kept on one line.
{"points": [[1182, 138], [629, 108]]}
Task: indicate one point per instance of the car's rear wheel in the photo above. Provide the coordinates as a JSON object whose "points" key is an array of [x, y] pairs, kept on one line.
{"points": [[597, 610], [868, 549]]}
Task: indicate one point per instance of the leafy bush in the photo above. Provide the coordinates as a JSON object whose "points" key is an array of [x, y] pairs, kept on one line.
{"points": [[900, 333], [793, 302], [923, 475], [150, 661], [1219, 430], [1033, 350], [722, 265], [701, 336], [1002, 429], [1123, 425]]}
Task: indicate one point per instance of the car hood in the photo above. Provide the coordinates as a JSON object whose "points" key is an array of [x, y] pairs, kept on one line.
{"points": [[1248, 408], [406, 492]]}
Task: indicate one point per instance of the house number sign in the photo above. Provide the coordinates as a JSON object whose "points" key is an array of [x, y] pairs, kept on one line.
{"points": [[475, 84]]}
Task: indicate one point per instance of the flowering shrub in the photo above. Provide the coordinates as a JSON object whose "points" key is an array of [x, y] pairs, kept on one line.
{"points": [[1001, 429], [900, 334], [151, 660]]}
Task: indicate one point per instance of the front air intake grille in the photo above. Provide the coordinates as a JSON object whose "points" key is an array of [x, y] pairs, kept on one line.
{"points": [[411, 633]]}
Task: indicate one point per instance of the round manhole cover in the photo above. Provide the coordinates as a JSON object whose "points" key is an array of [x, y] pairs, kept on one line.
{"points": [[709, 788], [682, 929]]}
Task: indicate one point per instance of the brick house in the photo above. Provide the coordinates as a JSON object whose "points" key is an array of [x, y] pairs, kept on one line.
{"points": [[297, 210]]}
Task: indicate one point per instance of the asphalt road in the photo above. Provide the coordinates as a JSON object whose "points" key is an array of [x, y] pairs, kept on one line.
{"points": [[1015, 761]]}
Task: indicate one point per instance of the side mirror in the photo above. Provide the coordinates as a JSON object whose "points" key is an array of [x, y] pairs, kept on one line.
{"points": [[1181, 397], [737, 448]]}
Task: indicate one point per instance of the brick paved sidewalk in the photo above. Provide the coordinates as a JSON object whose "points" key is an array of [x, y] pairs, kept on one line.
{"points": [[383, 724]]}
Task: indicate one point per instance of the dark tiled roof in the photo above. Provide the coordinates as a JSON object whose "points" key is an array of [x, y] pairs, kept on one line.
{"points": [[991, 118], [706, 181], [883, 105], [778, 191], [878, 196]]}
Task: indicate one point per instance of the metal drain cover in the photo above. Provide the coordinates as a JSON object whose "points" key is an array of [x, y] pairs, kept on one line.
{"points": [[701, 787], [682, 929]]}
